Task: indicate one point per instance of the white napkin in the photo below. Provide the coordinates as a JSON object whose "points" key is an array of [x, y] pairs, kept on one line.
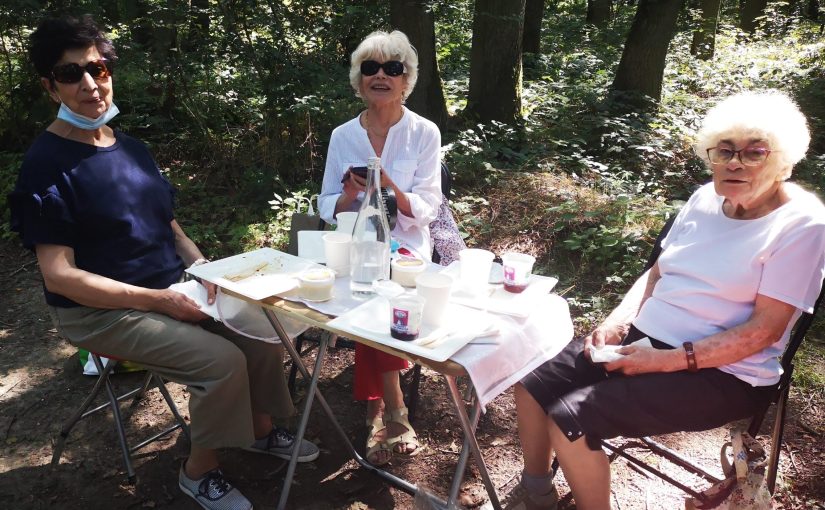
{"points": [[609, 353]]}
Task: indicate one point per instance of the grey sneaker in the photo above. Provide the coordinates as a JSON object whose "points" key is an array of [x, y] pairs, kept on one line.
{"points": [[212, 491], [519, 499], [279, 443]]}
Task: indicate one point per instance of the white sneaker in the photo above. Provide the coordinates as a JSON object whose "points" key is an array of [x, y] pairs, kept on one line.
{"points": [[212, 491]]}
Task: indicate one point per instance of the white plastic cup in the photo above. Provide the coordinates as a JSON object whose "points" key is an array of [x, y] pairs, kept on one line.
{"points": [[404, 270], [517, 268], [405, 316], [346, 221], [336, 251], [475, 268], [316, 284], [435, 289]]}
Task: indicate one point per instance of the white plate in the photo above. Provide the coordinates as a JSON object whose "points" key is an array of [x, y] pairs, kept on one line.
{"points": [[494, 298], [276, 272], [371, 320]]}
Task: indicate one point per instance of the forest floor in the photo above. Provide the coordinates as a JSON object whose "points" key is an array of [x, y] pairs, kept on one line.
{"points": [[41, 384]]}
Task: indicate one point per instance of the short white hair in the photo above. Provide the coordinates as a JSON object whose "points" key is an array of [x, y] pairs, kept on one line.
{"points": [[384, 46], [767, 115]]}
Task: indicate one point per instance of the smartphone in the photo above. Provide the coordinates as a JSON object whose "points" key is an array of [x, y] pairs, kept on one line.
{"points": [[360, 171]]}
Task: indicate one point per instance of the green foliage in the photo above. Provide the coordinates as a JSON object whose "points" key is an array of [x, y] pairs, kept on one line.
{"points": [[9, 168]]}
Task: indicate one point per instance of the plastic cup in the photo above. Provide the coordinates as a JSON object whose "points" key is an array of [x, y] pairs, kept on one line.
{"points": [[435, 289], [405, 316], [475, 268], [517, 269], [346, 221], [316, 284], [336, 251], [406, 269]]}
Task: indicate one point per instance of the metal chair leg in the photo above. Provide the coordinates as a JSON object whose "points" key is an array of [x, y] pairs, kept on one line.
{"points": [[412, 392], [118, 421], [776, 438]]}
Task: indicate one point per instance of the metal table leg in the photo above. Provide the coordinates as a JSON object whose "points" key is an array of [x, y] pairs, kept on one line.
{"points": [[397, 482], [470, 439]]}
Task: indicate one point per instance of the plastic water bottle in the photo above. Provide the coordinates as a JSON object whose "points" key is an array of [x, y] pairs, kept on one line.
{"points": [[370, 251]]}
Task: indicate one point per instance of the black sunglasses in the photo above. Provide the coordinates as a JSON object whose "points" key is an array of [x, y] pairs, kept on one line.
{"points": [[390, 67], [73, 73]]}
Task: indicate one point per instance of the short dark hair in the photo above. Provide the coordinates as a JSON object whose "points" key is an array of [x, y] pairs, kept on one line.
{"points": [[56, 35]]}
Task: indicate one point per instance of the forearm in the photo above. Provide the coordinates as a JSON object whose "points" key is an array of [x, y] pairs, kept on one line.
{"points": [[97, 291], [403, 202]]}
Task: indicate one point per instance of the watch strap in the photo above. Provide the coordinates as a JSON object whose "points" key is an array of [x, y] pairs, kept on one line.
{"points": [[690, 354]]}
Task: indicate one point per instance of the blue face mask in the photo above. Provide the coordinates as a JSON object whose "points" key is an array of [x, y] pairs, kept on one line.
{"points": [[83, 122]]}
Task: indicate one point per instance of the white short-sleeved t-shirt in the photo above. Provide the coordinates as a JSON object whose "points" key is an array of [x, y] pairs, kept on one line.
{"points": [[713, 267], [412, 159]]}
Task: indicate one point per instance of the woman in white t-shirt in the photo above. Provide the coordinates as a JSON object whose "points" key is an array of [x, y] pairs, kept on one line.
{"points": [[744, 258], [383, 72]]}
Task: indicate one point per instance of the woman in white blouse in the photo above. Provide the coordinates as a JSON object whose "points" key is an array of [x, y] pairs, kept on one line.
{"points": [[383, 72]]}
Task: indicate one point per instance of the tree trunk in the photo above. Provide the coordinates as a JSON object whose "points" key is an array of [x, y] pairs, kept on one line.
{"points": [[643, 59], [812, 11], [599, 12], [749, 10], [704, 38], [415, 18], [533, 16], [495, 60]]}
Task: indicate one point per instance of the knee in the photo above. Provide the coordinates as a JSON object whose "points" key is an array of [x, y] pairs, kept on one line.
{"points": [[227, 363]]}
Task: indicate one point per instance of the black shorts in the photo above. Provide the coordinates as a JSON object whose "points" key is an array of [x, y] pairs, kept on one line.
{"points": [[585, 400]]}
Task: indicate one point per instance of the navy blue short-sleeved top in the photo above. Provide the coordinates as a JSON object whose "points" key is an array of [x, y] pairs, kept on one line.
{"points": [[111, 205]]}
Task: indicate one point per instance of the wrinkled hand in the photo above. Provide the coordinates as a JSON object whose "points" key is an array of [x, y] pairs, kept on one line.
{"points": [[640, 360], [607, 333], [180, 307]]}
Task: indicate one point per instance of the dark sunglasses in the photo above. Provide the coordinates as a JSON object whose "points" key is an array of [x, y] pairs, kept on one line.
{"points": [[73, 73], [390, 67]]}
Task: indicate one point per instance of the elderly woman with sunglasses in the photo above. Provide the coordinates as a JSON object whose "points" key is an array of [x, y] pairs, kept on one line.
{"points": [[743, 259], [93, 205], [383, 72]]}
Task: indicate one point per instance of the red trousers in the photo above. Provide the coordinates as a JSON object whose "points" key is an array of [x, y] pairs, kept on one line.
{"points": [[369, 365]]}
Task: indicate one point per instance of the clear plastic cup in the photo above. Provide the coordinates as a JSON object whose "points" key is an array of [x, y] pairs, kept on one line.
{"points": [[475, 268], [517, 268], [405, 316]]}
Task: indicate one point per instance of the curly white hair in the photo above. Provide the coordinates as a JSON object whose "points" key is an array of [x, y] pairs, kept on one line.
{"points": [[761, 115]]}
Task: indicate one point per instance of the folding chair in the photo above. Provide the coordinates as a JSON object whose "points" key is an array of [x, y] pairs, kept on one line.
{"points": [[779, 398], [104, 381]]}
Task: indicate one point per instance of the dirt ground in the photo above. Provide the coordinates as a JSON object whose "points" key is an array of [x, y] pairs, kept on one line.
{"points": [[41, 384]]}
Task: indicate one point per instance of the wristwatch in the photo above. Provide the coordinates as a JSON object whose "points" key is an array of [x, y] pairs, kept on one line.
{"points": [[691, 357]]}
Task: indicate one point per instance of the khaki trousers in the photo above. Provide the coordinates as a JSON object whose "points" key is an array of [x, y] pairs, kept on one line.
{"points": [[228, 376]]}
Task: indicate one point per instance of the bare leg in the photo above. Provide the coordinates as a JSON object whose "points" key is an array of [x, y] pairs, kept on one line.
{"points": [[533, 433], [262, 424], [200, 461], [394, 398], [587, 471]]}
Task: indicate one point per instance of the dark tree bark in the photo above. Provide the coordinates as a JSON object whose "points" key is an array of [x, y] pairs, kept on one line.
{"points": [[812, 11], [704, 37], [415, 18], [533, 16], [599, 12], [749, 10], [643, 59], [495, 60]]}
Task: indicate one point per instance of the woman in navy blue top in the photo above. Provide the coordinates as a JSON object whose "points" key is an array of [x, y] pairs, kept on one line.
{"points": [[92, 204]]}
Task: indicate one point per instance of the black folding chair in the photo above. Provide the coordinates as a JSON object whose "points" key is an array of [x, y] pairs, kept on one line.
{"points": [[779, 398], [113, 402]]}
